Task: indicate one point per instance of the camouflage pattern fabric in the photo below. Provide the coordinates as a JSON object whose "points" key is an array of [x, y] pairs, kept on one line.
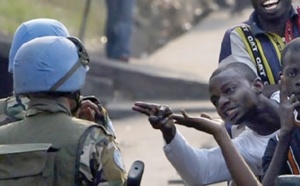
{"points": [[107, 123], [102, 118], [101, 163], [12, 109]]}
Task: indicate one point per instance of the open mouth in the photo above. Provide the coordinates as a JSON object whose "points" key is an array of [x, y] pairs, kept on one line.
{"points": [[270, 4], [231, 113]]}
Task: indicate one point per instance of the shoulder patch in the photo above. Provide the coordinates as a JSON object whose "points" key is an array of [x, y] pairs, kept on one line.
{"points": [[118, 160]]}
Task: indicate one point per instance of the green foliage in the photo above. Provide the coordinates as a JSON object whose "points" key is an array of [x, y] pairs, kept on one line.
{"points": [[69, 12]]}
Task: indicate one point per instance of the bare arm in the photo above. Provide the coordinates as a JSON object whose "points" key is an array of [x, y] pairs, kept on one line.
{"points": [[238, 168]]}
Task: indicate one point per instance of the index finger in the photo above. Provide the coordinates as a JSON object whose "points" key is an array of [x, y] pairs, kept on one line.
{"points": [[142, 110], [146, 105], [283, 89], [179, 119]]}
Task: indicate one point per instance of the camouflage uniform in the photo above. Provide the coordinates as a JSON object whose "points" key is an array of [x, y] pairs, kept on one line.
{"points": [[13, 109], [110, 167], [100, 159], [84, 153]]}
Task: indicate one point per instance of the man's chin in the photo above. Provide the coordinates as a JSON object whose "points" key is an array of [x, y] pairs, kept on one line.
{"points": [[238, 120], [270, 15]]}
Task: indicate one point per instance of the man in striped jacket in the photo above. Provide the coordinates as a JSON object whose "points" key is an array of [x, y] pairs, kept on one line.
{"points": [[258, 42]]}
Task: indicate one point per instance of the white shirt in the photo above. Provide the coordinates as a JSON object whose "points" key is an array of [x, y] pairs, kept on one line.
{"points": [[206, 166]]}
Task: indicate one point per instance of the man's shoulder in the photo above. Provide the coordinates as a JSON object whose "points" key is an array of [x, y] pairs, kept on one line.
{"points": [[95, 130], [239, 26], [99, 137], [236, 30], [14, 107], [296, 134], [8, 130], [248, 135]]}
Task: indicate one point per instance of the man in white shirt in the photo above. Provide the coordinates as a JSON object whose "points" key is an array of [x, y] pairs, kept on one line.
{"points": [[237, 95]]}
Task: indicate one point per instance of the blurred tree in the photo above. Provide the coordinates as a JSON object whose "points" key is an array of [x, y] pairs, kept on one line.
{"points": [[159, 21]]}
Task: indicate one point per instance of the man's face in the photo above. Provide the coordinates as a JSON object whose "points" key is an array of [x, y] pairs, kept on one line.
{"points": [[291, 72], [232, 95], [272, 9]]}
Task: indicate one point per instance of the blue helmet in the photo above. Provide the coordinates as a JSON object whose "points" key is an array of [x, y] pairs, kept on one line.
{"points": [[33, 29], [50, 64]]}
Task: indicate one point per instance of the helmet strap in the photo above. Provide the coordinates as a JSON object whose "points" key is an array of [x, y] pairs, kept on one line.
{"points": [[76, 97], [82, 60]]}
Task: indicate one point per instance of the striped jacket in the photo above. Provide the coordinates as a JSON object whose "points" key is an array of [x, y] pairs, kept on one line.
{"points": [[261, 50]]}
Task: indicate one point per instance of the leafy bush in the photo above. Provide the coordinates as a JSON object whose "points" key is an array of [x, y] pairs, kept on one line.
{"points": [[69, 12]]}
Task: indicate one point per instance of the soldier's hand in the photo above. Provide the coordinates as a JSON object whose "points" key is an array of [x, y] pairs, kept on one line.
{"points": [[88, 110]]}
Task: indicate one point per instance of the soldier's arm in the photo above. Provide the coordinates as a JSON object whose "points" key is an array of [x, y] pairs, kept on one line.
{"points": [[100, 114], [101, 160]]}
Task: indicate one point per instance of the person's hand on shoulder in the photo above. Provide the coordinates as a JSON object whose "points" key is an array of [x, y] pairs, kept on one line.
{"points": [[88, 110]]}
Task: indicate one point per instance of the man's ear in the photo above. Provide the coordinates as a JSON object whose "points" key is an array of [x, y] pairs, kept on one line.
{"points": [[258, 85]]}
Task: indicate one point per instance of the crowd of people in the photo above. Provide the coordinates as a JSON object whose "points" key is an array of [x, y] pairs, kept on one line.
{"points": [[52, 135], [261, 114]]}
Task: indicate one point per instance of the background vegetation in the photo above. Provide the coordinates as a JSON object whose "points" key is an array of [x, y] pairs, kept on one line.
{"points": [[156, 21], [69, 12]]}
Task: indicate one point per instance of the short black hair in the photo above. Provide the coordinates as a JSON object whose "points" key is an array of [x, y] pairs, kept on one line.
{"points": [[292, 47], [240, 68]]}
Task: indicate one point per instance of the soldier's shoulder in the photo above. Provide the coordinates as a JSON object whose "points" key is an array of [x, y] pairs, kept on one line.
{"points": [[15, 107], [95, 128], [98, 136], [8, 129], [81, 121], [10, 110]]}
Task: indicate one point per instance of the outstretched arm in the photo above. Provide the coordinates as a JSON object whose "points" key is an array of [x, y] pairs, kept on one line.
{"points": [[238, 168]]}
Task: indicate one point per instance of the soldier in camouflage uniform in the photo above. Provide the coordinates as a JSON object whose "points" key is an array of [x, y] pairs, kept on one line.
{"points": [[51, 70], [13, 108]]}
